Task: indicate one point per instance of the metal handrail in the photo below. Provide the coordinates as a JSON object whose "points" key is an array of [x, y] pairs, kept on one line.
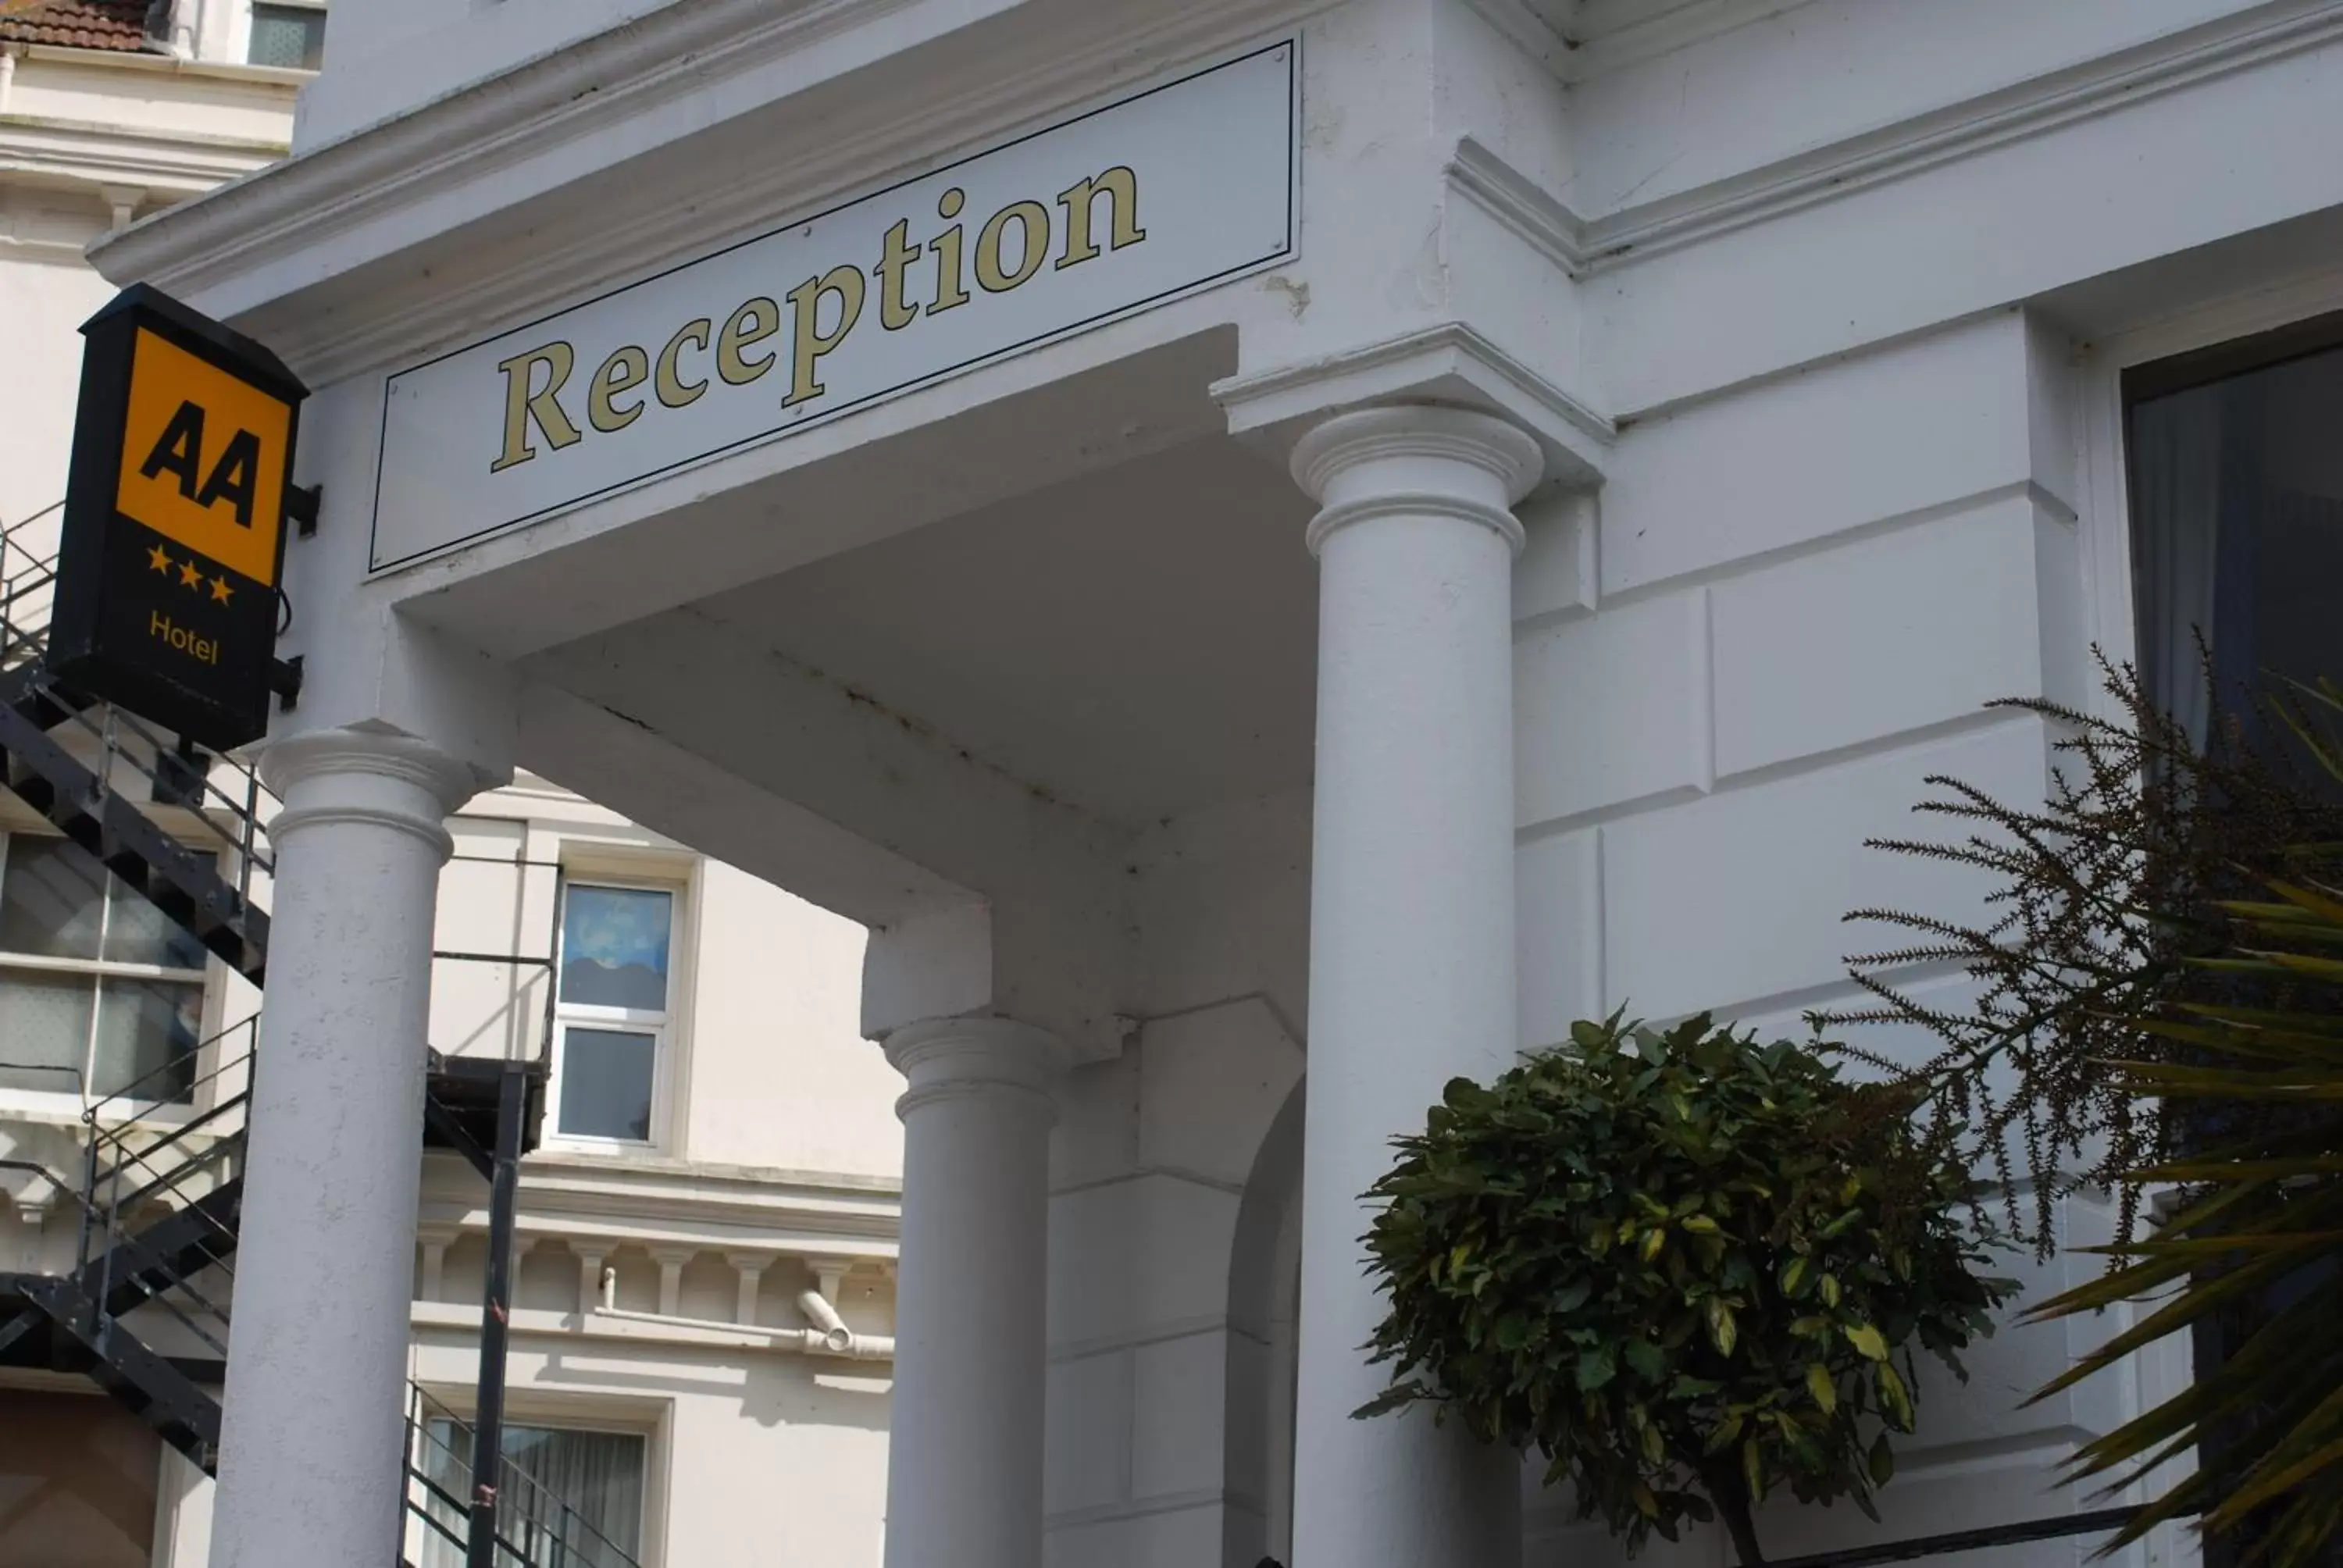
{"points": [[512, 1481], [166, 1164], [112, 727], [27, 590]]}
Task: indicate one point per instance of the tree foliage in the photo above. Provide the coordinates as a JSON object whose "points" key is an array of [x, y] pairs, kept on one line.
{"points": [[2250, 1081], [2259, 1234], [1683, 1267], [2162, 1012], [2103, 899]]}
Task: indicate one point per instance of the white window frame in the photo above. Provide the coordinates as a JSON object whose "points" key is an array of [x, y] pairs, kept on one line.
{"points": [[619, 1415], [239, 41], [2110, 616], [78, 1094], [2105, 521], [663, 1027]]}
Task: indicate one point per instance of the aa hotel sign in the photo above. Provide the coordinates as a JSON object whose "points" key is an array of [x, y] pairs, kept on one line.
{"points": [[1158, 196]]}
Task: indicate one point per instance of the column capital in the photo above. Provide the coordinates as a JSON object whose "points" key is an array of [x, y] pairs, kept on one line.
{"points": [[1416, 460], [377, 778], [947, 1057]]}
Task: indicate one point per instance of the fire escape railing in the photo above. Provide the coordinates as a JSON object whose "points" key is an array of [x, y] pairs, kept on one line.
{"points": [[160, 1190]]}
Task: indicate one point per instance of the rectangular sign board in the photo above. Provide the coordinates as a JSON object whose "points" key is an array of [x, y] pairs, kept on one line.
{"points": [[1156, 196], [174, 536]]}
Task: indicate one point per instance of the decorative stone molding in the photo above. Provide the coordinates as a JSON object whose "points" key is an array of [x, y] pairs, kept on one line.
{"points": [[1585, 244], [1416, 460], [952, 1057], [1452, 363], [406, 183], [375, 777], [750, 1267]]}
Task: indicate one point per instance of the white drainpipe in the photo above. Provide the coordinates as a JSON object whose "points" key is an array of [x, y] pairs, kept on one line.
{"points": [[829, 1336]]}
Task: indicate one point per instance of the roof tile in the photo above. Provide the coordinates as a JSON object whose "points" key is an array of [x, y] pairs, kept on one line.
{"points": [[116, 25]]}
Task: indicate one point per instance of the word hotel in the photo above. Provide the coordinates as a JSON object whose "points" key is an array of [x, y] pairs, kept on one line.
{"points": [[535, 381]]}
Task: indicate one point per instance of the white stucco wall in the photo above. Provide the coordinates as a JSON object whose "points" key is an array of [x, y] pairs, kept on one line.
{"points": [[781, 1144], [43, 302], [1818, 301]]}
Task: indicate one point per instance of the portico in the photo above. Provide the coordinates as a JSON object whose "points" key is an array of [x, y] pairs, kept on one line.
{"points": [[967, 586], [1106, 494]]}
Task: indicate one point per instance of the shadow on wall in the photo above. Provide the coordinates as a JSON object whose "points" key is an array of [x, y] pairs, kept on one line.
{"points": [[1264, 1287]]}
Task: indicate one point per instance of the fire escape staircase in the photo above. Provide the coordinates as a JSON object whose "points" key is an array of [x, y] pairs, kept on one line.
{"points": [[144, 1313]]}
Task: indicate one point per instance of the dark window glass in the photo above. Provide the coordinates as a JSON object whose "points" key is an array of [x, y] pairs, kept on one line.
{"points": [[605, 1083], [45, 1031], [614, 947], [573, 1499], [52, 899], [288, 35], [2235, 460], [91, 1028], [2237, 493]]}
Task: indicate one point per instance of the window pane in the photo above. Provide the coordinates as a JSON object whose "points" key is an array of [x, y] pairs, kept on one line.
{"points": [[44, 1029], [614, 947], [52, 899], [583, 1501], [137, 932], [147, 1036], [2237, 534], [290, 36], [570, 1498], [605, 1083], [446, 1459]]}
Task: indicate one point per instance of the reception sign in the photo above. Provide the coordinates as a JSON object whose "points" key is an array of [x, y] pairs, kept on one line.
{"points": [[1171, 191], [174, 538]]}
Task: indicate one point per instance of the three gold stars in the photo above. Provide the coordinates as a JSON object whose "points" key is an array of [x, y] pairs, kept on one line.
{"points": [[190, 574]]}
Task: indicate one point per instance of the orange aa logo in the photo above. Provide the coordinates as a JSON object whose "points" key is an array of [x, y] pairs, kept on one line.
{"points": [[203, 458]]}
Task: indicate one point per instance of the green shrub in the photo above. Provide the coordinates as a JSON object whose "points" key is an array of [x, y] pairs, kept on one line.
{"points": [[1682, 1267]]}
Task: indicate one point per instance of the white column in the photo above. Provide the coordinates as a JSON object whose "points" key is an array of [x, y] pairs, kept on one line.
{"points": [[964, 1457], [1410, 934], [310, 1466]]}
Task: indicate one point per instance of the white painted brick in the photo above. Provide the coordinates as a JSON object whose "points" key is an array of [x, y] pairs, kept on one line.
{"points": [[1738, 897], [1087, 1428], [1124, 1258], [1096, 1137], [1555, 570], [1180, 1389], [1887, 634], [1611, 707], [1558, 894], [1104, 1545], [1178, 1538], [1835, 447], [1211, 1083]]}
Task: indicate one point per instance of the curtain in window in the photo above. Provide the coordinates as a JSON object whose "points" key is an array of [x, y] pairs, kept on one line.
{"points": [[2176, 493], [577, 1503]]}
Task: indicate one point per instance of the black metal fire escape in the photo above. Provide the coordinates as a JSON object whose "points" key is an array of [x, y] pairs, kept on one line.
{"points": [[144, 1310]]}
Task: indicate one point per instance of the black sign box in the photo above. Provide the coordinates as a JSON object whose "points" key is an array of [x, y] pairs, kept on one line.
{"points": [[174, 536]]}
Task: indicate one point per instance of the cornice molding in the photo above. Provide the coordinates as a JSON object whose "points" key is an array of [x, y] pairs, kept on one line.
{"points": [[275, 81], [1527, 208], [1452, 363], [707, 1207], [1586, 246], [381, 172], [2262, 35], [89, 155], [1579, 40]]}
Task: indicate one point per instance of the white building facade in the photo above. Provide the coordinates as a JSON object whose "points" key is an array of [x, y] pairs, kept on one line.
{"points": [[706, 1233], [1232, 536]]}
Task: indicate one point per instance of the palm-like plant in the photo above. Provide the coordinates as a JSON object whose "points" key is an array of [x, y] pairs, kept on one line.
{"points": [[2253, 1069], [2262, 1222]]}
